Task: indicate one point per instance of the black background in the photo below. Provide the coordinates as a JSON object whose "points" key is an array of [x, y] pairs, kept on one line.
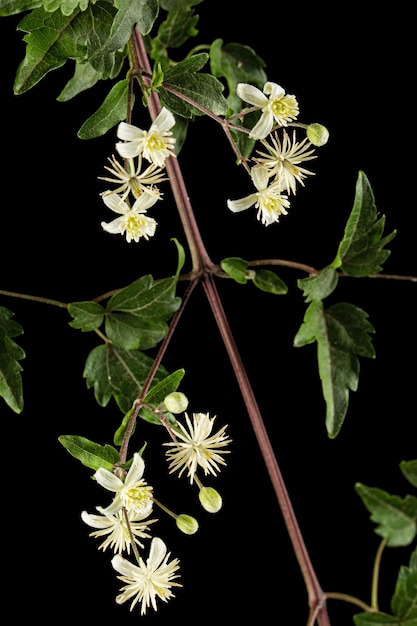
{"points": [[347, 74]]}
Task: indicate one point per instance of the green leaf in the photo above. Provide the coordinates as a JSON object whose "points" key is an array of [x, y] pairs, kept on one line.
{"points": [[341, 333], [13, 7], [115, 372], [136, 316], [319, 286], [156, 396], [65, 6], [11, 389], [409, 469], [87, 315], [396, 517], [237, 64], [111, 112], [173, 33], [268, 281], [378, 619], [201, 88], [85, 77], [237, 268], [361, 252], [404, 600], [176, 5], [53, 38], [89, 453]]}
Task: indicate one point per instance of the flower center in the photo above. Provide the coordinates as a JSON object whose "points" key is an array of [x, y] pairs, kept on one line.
{"points": [[279, 107], [155, 142], [137, 497]]}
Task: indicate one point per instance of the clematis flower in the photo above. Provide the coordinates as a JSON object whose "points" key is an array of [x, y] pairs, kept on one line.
{"points": [[268, 198], [156, 144], [133, 220], [147, 581], [116, 530], [197, 447], [283, 159], [130, 179], [134, 494], [276, 106]]}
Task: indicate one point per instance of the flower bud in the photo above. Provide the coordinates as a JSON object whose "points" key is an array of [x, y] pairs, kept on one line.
{"points": [[176, 402], [317, 134], [210, 499], [187, 524]]}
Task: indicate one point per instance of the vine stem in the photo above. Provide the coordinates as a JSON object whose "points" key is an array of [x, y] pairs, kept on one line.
{"points": [[202, 267]]}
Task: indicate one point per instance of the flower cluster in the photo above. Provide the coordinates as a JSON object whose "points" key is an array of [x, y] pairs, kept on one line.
{"points": [[277, 169], [124, 521], [137, 189]]}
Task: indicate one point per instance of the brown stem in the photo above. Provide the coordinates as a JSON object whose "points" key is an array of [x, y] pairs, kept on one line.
{"points": [[202, 266]]}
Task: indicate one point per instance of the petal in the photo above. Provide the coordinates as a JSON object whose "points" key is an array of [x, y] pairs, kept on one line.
{"points": [[96, 521], [164, 121], [128, 132], [274, 90], [251, 94], [128, 150], [244, 203], [263, 127], [124, 567], [144, 202], [116, 204], [136, 470], [157, 553], [108, 480], [113, 508], [260, 177], [115, 227]]}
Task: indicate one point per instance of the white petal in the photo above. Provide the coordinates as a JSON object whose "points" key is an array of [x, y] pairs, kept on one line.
{"points": [[144, 202], [108, 480], [251, 94], [274, 90], [136, 470], [165, 120], [157, 552], [124, 567], [116, 204], [128, 150], [263, 127], [115, 227], [260, 177], [128, 132], [113, 508], [96, 521], [244, 203]]}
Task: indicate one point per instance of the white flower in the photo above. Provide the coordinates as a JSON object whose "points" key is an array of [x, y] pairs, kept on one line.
{"points": [[147, 581], [116, 530], [133, 493], [133, 220], [131, 180], [197, 447], [284, 157], [268, 199], [156, 144], [279, 106]]}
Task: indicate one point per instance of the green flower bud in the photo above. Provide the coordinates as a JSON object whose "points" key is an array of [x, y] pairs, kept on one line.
{"points": [[317, 134], [187, 524], [210, 499], [176, 402]]}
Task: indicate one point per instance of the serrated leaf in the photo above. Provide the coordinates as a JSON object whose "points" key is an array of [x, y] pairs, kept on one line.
{"points": [[361, 251], [409, 469], [136, 316], [404, 600], [90, 454], [65, 6], [53, 38], [320, 286], [111, 112], [11, 389], [13, 7], [118, 373], [237, 268], [87, 315], [177, 28], [202, 88], [341, 333], [396, 517], [236, 63], [268, 281]]}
